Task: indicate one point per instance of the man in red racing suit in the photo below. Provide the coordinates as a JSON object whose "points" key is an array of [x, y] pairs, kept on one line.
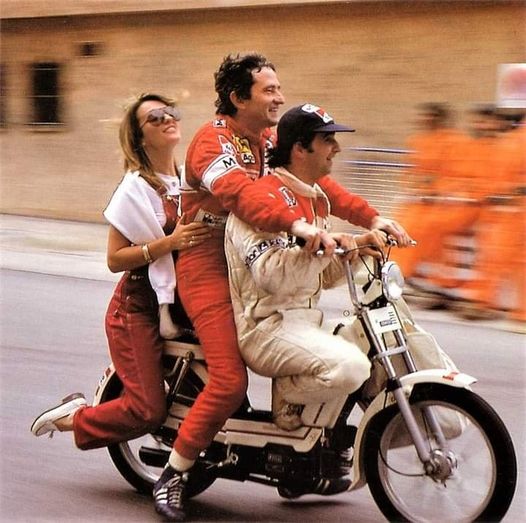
{"points": [[223, 159]]}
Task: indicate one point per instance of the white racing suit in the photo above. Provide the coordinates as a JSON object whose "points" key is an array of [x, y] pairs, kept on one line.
{"points": [[275, 288]]}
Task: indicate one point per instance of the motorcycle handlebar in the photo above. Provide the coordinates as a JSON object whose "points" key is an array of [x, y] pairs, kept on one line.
{"points": [[300, 242], [339, 251]]}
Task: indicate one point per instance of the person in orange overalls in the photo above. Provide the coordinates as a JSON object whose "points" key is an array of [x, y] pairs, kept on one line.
{"points": [[501, 236], [430, 158], [467, 180], [222, 161]]}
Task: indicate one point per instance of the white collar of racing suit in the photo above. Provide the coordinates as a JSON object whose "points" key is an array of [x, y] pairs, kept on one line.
{"points": [[298, 186]]}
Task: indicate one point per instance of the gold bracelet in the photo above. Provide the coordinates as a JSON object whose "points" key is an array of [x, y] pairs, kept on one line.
{"points": [[146, 253]]}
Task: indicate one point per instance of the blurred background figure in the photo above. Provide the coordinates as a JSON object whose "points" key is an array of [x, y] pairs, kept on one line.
{"points": [[475, 168], [471, 167], [473, 186], [429, 182], [500, 233]]}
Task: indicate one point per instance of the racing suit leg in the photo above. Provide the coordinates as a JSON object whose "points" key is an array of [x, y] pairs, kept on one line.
{"points": [[309, 364], [202, 281], [499, 250], [441, 222], [491, 261], [418, 220], [518, 262], [132, 327]]}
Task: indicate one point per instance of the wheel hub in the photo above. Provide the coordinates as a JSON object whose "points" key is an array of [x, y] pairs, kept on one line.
{"points": [[441, 465]]}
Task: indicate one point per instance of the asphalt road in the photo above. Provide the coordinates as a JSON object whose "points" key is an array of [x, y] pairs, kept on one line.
{"points": [[52, 344]]}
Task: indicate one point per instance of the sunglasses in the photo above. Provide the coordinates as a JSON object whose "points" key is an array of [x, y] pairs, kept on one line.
{"points": [[157, 116]]}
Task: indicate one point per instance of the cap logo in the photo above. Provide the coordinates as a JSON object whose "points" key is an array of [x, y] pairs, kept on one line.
{"points": [[318, 111]]}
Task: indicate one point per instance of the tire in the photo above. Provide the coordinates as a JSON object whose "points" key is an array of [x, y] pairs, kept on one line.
{"points": [[483, 482], [126, 458]]}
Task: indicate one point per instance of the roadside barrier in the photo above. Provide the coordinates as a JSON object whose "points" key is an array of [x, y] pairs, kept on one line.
{"points": [[379, 175]]}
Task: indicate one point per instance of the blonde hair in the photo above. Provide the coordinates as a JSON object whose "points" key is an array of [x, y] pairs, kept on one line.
{"points": [[130, 136]]}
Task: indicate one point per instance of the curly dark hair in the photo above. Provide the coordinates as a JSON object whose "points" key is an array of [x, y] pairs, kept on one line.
{"points": [[235, 76]]}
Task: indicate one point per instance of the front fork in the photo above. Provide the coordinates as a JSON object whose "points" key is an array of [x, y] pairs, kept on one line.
{"points": [[427, 456]]}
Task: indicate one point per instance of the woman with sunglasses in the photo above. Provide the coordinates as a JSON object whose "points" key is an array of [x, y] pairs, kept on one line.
{"points": [[145, 234]]}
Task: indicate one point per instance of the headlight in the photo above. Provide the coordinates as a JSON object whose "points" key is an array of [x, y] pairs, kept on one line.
{"points": [[392, 281]]}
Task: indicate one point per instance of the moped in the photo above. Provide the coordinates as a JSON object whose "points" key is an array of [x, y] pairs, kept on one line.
{"points": [[428, 447]]}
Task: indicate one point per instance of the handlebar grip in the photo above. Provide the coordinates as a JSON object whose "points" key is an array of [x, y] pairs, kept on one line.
{"points": [[339, 251]]}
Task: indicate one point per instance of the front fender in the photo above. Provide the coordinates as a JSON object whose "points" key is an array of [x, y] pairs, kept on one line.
{"points": [[443, 376], [385, 399]]}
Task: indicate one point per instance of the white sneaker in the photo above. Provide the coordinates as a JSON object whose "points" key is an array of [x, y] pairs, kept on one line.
{"points": [[46, 421]]}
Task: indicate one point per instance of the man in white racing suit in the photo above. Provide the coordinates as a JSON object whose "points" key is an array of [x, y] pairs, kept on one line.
{"points": [[275, 285]]}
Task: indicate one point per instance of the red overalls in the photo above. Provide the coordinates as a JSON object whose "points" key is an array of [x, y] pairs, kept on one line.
{"points": [[136, 348]]}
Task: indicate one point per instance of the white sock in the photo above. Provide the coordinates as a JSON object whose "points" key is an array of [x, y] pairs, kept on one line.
{"points": [[179, 462]]}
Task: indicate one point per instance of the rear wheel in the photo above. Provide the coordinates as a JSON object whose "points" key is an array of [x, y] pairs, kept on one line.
{"points": [[475, 473], [140, 460]]}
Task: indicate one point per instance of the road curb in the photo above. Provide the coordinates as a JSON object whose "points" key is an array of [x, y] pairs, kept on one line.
{"points": [[78, 250]]}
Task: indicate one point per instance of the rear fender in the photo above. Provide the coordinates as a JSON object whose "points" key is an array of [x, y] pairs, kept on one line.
{"points": [[106, 379]]}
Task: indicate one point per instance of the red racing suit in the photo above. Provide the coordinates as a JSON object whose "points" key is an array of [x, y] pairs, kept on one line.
{"points": [[221, 163]]}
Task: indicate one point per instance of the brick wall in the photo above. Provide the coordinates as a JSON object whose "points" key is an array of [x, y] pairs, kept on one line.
{"points": [[367, 63]]}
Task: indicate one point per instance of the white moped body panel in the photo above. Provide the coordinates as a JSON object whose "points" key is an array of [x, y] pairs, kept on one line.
{"points": [[257, 433], [179, 348], [315, 416]]}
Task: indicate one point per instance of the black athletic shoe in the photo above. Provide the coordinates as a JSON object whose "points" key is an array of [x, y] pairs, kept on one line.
{"points": [[320, 486], [342, 437], [169, 494], [341, 441]]}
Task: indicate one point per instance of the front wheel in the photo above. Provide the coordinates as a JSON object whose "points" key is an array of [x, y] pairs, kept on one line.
{"points": [[476, 474]]}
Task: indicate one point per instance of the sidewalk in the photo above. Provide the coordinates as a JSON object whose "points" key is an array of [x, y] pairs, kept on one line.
{"points": [[56, 247], [78, 250]]}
